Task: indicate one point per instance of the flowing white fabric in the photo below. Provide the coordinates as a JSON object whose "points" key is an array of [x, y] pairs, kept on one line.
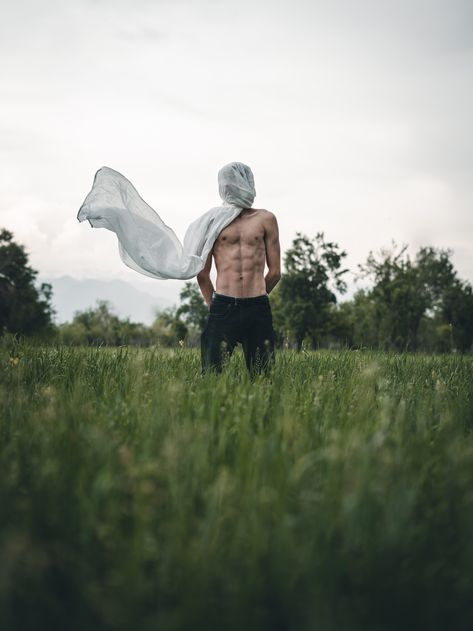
{"points": [[146, 243]]}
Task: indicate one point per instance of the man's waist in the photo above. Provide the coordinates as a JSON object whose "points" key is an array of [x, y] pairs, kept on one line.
{"points": [[235, 300]]}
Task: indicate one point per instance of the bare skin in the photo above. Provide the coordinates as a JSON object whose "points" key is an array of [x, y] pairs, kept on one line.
{"points": [[241, 252]]}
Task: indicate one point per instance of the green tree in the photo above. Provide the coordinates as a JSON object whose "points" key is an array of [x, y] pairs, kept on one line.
{"points": [[169, 327], [100, 326], [193, 309], [456, 312], [412, 299], [436, 273], [24, 308], [399, 296], [306, 293]]}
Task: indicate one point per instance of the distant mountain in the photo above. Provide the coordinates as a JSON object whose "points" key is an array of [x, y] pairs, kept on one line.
{"points": [[72, 294]]}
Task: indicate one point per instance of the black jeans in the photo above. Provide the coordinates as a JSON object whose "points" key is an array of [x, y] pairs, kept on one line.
{"points": [[232, 320]]}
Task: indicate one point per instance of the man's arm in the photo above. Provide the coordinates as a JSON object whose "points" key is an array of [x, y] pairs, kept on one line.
{"points": [[273, 253], [205, 284]]}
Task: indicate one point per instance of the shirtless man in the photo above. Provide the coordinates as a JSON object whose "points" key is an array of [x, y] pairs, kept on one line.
{"points": [[239, 309]]}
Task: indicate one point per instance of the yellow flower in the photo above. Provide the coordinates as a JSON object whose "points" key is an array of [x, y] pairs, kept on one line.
{"points": [[14, 361]]}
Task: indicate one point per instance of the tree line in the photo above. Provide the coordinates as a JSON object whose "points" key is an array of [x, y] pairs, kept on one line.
{"points": [[407, 303]]}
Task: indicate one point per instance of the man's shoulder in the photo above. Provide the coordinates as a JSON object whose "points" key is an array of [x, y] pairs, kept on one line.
{"points": [[268, 221], [268, 217], [265, 214]]}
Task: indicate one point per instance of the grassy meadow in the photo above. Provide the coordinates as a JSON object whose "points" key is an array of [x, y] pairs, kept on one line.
{"points": [[137, 494]]}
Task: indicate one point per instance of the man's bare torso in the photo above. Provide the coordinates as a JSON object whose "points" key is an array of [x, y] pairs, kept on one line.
{"points": [[241, 252], [240, 255]]}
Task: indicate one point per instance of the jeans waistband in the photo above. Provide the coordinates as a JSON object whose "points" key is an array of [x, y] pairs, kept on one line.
{"points": [[239, 301]]}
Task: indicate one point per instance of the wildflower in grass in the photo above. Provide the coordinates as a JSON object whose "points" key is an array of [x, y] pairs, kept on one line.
{"points": [[14, 361], [181, 343], [48, 391]]}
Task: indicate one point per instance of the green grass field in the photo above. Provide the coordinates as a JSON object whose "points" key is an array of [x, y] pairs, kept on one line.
{"points": [[136, 494]]}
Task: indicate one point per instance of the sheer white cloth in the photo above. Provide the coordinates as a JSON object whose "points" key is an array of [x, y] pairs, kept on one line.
{"points": [[146, 243]]}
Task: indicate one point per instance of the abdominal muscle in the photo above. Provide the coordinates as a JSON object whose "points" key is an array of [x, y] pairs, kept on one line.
{"points": [[240, 264]]}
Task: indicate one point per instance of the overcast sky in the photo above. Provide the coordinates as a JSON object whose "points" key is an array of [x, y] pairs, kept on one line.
{"points": [[354, 116]]}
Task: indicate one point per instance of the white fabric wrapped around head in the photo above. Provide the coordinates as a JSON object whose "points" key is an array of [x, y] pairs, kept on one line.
{"points": [[236, 184], [146, 243]]}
